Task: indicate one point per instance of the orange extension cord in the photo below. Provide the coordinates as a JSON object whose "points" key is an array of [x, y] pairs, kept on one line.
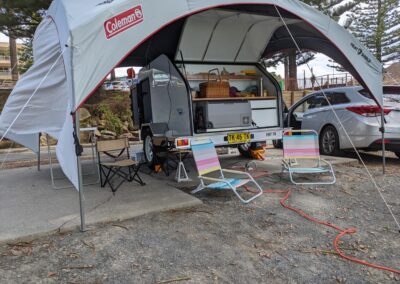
{"points": [[342, 232]]}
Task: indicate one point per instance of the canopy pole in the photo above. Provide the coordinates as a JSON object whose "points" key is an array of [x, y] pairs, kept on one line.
{"points": [[38, 155], [79, 167], [382, 129], [78, 148]]}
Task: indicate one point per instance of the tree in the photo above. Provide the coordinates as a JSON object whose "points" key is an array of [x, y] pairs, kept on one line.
{"points": [[19, 19], [376, 24], [335, 66], [292, 58], [25, 56], [333, 8]]}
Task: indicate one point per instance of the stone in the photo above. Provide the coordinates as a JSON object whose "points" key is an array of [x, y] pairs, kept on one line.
{"points": [[84, 114], [126, 135], [108, 132]]}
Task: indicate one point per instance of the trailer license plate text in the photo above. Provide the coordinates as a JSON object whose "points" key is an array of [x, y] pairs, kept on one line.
{"points": [[235, 138]]}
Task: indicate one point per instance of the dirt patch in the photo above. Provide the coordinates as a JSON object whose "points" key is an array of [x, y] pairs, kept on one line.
{"points": [[224, 241]]}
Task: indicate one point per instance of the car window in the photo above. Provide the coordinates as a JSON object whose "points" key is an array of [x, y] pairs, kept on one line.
{"points": [[336, 98], [310, 103], [366, 94]]}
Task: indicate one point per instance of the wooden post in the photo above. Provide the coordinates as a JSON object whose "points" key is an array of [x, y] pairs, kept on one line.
{"points": [[291, 98], [13, 58]]}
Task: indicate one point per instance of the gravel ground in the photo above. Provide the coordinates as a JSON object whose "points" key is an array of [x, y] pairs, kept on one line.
{"points": [[224, 241]]}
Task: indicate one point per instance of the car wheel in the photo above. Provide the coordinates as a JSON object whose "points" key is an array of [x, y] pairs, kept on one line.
{"points": [[329, 141], [148, 148], [397, 154], [277, 144]]}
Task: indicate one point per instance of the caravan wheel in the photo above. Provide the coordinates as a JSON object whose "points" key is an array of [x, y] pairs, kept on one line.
{"points": [[148, 148]]}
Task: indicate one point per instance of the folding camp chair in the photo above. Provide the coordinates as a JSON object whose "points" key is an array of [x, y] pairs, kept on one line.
{"points": [[303, 146], [115, 168], [207, 162]]}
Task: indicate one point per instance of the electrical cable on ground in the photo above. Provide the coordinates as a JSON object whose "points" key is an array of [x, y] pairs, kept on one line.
{"points": [[341, 124], [342, 232]]}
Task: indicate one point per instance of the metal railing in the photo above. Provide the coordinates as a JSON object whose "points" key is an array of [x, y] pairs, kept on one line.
{"points": [[7, 84], [5, 73], [5, 58], [325, 81]]}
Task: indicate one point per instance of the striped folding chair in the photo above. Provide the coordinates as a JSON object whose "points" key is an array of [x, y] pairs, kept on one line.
{"points": [[207, 162], [300, 146]]}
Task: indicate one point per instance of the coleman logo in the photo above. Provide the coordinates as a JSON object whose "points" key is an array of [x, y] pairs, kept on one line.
{"points": [[123, 21]]}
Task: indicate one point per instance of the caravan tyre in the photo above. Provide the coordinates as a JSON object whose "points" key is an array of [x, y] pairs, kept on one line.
{"points": [[244, 150], [148, 148]]}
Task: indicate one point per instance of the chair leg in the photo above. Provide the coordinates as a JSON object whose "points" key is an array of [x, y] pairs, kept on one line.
{"points": [[136, 177], [234, 189], [198, 188], [109, 175], [181, 173], [333, 181]]}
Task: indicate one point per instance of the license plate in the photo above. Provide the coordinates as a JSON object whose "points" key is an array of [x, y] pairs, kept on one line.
{"points": [[235, 138]]}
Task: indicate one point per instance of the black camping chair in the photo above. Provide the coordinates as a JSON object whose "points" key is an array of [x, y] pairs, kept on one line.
{"points": [[124, 168]]}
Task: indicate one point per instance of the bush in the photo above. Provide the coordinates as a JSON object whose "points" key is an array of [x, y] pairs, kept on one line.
{"points": [[112, 121]]}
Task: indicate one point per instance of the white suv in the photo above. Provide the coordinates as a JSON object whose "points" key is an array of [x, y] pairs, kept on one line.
{"points": [[359, 114]]}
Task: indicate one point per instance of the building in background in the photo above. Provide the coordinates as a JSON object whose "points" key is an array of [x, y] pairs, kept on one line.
{"points": [[5, 63]]}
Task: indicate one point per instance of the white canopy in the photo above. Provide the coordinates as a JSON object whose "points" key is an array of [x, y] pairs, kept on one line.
{"points": [[80, 42]]}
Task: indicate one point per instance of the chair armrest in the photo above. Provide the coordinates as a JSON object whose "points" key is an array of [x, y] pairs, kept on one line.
{"points": [[215, 180], [239, 173], [234, 172], [211, 179]]}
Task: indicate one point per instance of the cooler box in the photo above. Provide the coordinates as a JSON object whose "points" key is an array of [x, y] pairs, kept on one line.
{"points": [[226, 114]]}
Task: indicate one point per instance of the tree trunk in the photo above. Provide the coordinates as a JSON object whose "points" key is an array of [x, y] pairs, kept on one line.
{"points": [[113, 77], [293, 70], [379, 31], [286, 66], [14, 58]]}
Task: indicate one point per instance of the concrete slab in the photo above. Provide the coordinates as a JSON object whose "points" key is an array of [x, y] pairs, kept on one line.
{"points": [[30, 208]]}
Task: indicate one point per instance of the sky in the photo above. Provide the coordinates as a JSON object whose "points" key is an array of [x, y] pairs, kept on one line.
{"points": [[319, 65], [3, 37]]}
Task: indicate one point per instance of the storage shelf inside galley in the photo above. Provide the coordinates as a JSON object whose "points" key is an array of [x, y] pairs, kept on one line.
{"points": [[234, 99], [204, 77]]}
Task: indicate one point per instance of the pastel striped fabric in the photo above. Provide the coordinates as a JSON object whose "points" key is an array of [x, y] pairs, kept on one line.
{"points": [[300, 146], [206, 158], [234, 182]]}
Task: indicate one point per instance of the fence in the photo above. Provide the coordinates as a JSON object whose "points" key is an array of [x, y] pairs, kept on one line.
{"points": [[7, 84], [295, 89], [5, 58], [325, 81]]}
